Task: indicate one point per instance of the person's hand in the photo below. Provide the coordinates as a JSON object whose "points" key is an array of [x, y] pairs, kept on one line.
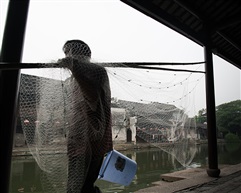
{"points": [[65, 62]]}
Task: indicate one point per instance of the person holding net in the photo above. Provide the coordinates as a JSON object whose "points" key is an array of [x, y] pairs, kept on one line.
{"points": [[89, 117]]}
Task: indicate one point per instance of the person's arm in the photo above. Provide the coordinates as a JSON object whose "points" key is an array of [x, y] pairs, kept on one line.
{"points": [[89, 76]]}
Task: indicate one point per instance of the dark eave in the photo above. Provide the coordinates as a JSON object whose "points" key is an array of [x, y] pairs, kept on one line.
{"points": [[220, 19]]}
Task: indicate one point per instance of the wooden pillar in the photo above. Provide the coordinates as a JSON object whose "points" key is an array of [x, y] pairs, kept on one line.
{"points": [[213, 170], [12, 46]]}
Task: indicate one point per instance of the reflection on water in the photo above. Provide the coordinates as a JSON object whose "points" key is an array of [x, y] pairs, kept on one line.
{"points": [[151, 163], [25, 176]]}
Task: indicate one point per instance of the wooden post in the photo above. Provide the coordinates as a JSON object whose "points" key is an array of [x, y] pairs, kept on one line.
{"points": [[213, 170], [11, 51]]}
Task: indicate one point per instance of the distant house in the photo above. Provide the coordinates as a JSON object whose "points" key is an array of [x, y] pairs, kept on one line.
{"points": [[158, 122], [131, 121], [123, 126], [202, 131]]}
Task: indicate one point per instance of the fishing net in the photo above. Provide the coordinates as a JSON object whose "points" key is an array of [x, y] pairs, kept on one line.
{"points": [[66, 121], [163, 106], [66, 109]]}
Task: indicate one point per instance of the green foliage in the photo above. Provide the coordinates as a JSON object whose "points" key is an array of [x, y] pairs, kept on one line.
{"points": [[231, 138], [201, 117], [223, 130], [228, 117]]}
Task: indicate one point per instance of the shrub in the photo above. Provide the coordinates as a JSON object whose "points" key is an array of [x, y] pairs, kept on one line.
{"points": [[231, 138]]}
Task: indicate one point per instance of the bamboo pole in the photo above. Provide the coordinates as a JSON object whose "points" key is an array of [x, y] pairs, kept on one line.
{"points": [[147, 65]]}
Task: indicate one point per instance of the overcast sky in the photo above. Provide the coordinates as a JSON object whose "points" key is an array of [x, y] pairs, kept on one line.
{"points": [[116, 32]]}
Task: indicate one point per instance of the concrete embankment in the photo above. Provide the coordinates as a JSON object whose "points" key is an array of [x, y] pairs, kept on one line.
{"points": [[24, 150], [196, 180]]}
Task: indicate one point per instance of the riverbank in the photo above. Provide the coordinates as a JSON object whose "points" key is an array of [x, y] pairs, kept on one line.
{"points": [[23, 150], [196, 180]]}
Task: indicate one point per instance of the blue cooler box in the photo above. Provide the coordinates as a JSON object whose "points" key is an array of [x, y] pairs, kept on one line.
{"points": [[118, 168]]}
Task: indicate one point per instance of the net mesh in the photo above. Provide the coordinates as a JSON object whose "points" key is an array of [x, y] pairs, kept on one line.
{"points": [[66, 114], [67, 121], [163, 106]]}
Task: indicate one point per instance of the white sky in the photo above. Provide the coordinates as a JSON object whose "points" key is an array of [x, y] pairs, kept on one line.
{"points": [[116, 32]]}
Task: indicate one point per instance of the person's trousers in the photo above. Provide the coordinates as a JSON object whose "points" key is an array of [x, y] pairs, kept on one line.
{"points": [[82, 174]]}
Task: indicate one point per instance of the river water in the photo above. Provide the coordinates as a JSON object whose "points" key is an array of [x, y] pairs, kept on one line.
{"points": [[25, 175]]}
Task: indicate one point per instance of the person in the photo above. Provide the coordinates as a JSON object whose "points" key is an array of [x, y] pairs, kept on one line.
{"points": [[89, 117]]}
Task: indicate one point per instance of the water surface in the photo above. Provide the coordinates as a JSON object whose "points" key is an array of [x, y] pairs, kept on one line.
{"points": [[25, 176]]}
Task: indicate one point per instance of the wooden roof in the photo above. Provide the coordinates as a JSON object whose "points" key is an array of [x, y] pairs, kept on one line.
{"points": [[219, 20]]}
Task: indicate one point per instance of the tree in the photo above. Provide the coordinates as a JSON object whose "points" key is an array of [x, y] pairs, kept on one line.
{"points": [[228, 117], [201, 117]]}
